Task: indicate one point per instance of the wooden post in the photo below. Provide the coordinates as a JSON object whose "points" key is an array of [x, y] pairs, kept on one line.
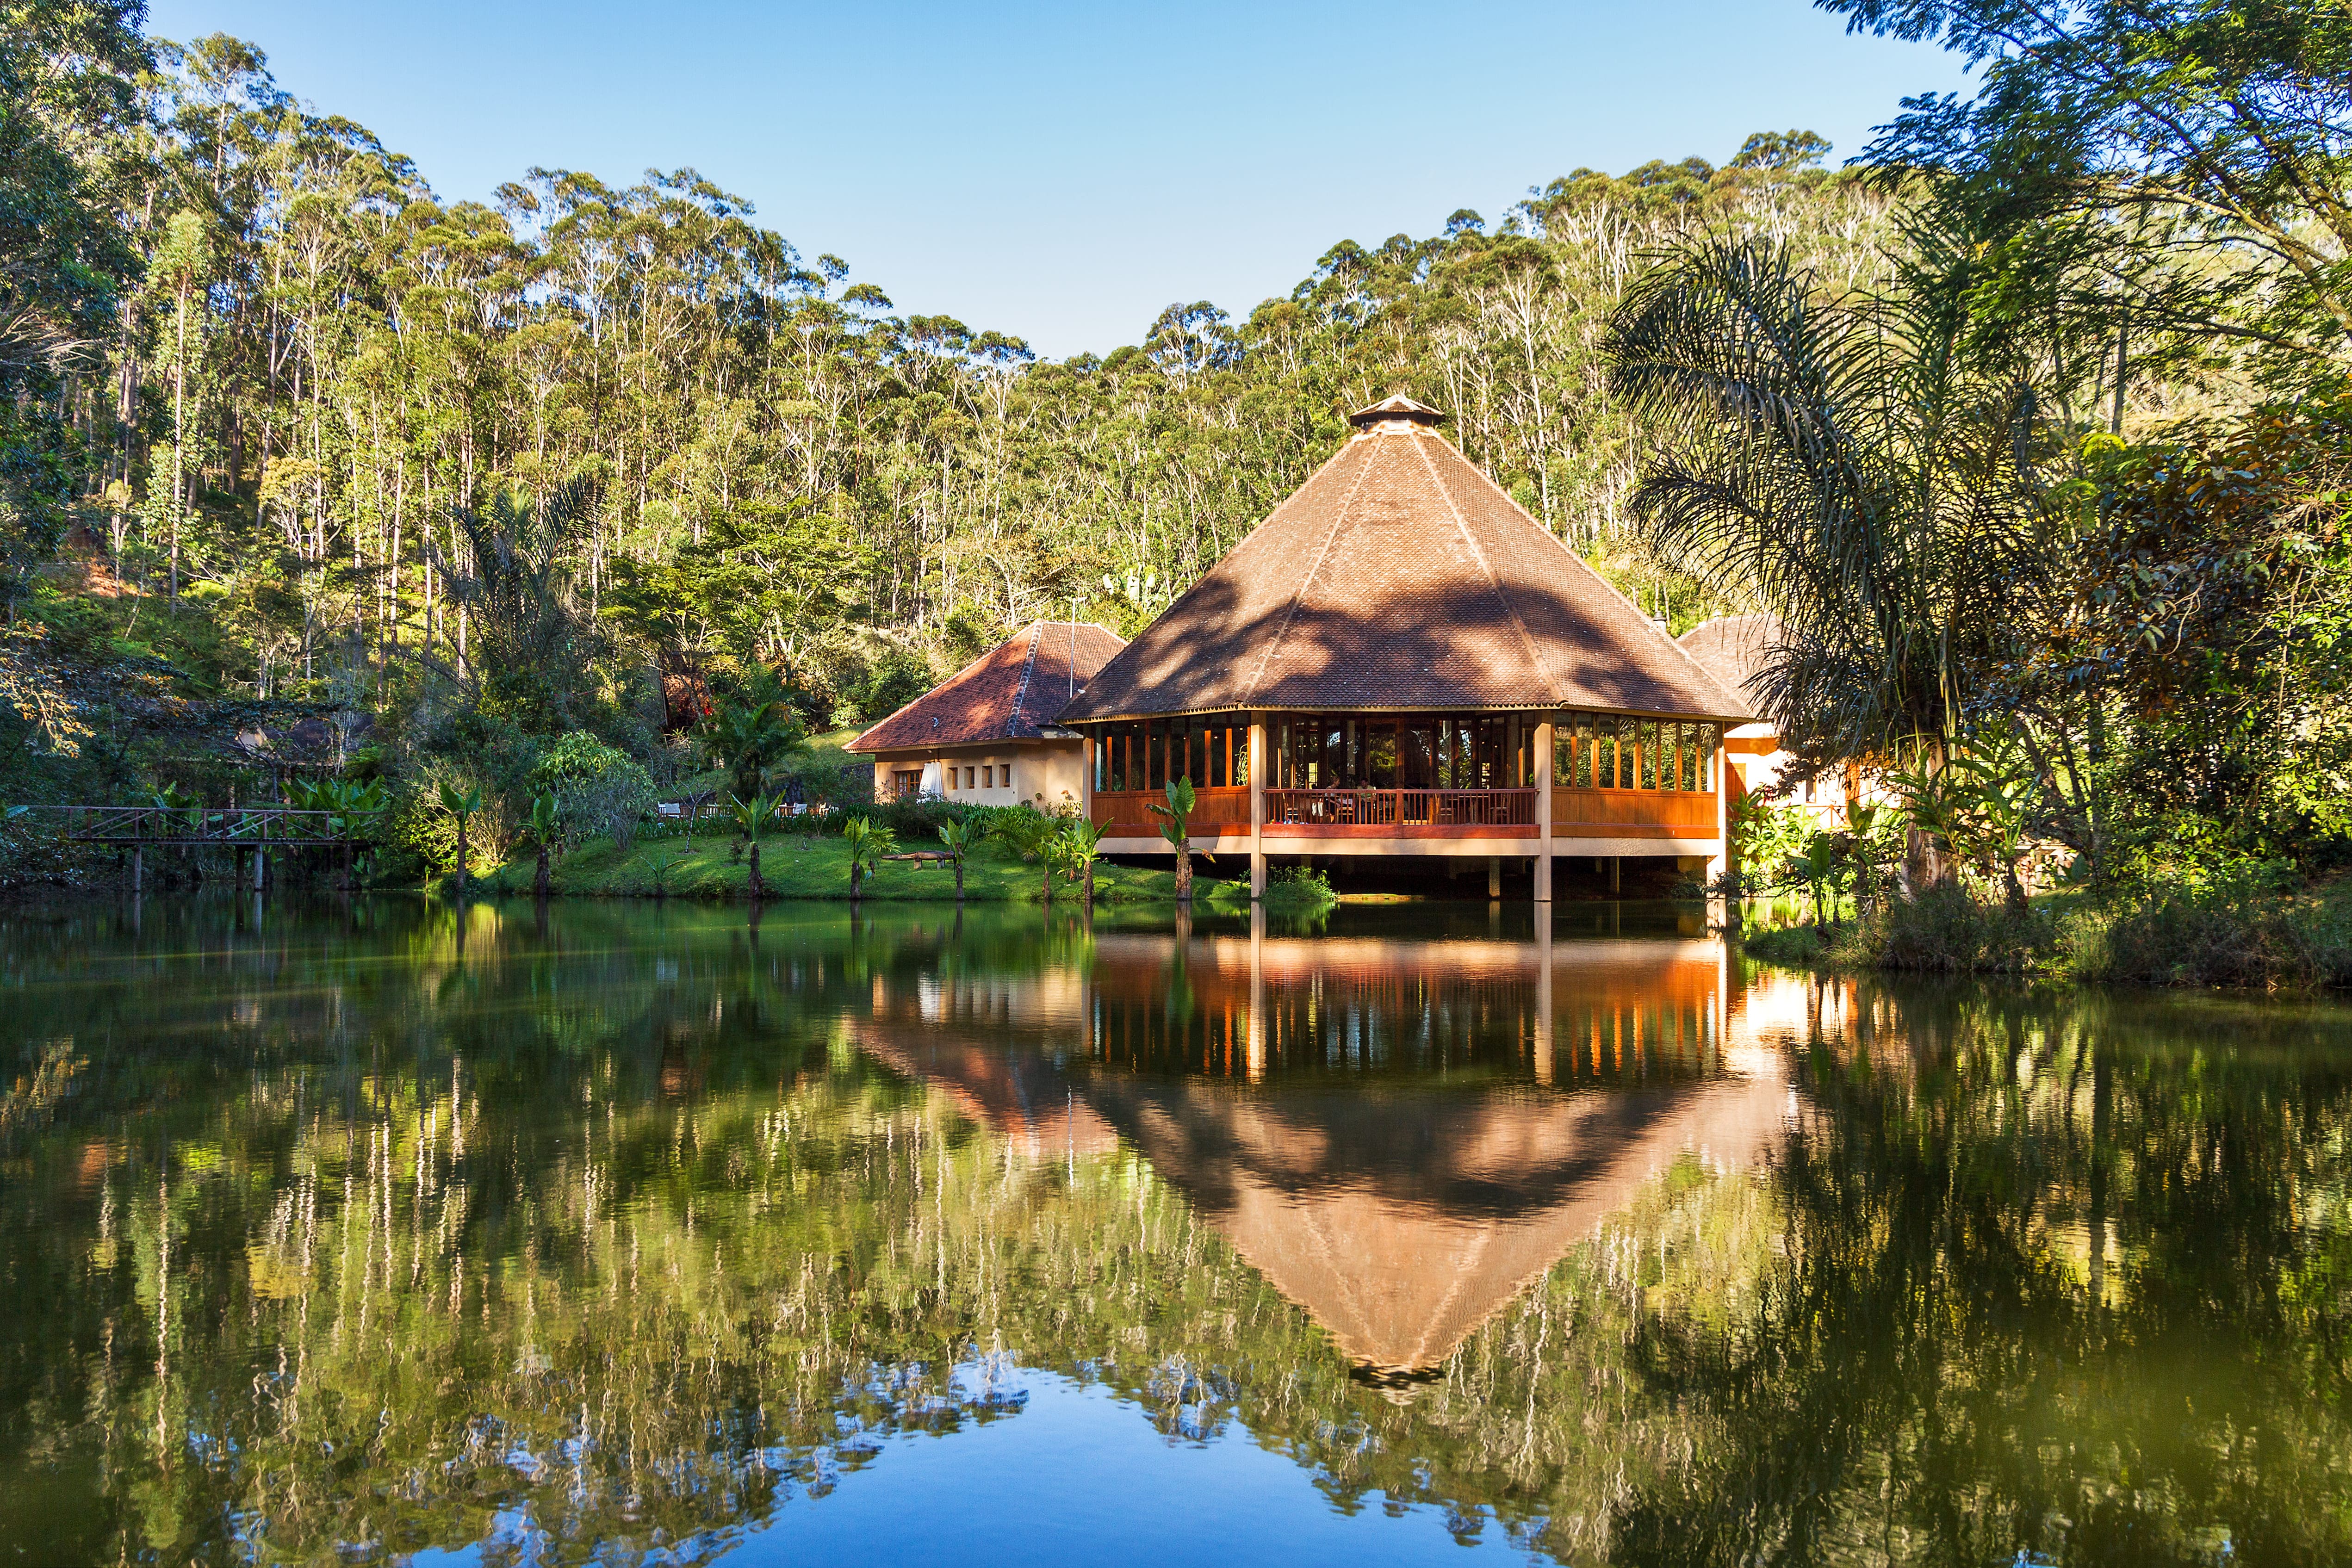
{"points": [[1257, 764], [1087, 778], [1543, 810], [1493, 876], [1616, 873], [260, 868], [138, 867]]}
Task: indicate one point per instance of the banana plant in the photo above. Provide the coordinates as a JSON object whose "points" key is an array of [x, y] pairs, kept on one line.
{"points": [[753, 818], [461, 804], [1081, 849], [867, 842], [1818, 868], [1176, 827], [2003, 791]]}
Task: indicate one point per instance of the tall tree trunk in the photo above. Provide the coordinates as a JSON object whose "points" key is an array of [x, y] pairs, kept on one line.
{"points": [[759, 890], [461, 859], [539, 876]]}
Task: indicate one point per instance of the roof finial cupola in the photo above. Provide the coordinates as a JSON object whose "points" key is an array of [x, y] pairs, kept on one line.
{"points": [[1395, 409]]}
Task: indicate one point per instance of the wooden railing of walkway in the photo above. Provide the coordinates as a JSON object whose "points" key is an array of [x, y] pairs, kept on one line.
{"points": [[225, 827]]}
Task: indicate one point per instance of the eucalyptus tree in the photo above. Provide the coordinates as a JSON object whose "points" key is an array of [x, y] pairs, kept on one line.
{"points": [[66, 76]]}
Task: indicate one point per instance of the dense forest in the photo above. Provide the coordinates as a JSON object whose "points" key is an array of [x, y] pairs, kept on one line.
{"points": [[2029, 420]]}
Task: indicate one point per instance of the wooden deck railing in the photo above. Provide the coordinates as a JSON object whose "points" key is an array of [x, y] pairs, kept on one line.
{"points": [[1688, 813], [1126, 812], [241, 827], [1400, 807]]}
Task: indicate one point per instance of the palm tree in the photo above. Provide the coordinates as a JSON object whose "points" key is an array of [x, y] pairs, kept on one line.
{"points": [[1176, 827], [461, 804], [957, 840], [752, 819], [867, 842], [1852, 465], [529, 646], [540, 829], [754, 736]]}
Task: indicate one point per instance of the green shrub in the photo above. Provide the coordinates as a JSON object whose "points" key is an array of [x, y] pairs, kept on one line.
{"points": [[598, 790], [1949, 930], [918, 818], [2242, 936], [1302, 884]]}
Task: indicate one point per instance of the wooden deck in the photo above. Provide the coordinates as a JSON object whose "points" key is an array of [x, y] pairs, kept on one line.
{"points": [[1577, 813]]}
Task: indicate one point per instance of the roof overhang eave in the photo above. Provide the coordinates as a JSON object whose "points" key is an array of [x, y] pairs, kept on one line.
{"points": [[1682, 716]]}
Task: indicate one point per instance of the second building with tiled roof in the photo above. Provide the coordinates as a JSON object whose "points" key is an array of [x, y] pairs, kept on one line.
{"points": [[986, 734]]}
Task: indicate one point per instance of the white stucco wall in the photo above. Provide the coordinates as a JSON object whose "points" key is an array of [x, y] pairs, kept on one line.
{"points": [[1022, 771]]}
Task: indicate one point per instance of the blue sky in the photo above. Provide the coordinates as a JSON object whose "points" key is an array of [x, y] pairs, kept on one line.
{"points": [[1061, 170]]}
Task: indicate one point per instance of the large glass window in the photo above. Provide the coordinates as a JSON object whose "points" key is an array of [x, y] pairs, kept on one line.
{"points": [[1601, 751], [1141, 756]]}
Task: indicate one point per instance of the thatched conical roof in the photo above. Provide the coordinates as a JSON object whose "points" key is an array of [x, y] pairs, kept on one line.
{"points": [[1400, 577]]}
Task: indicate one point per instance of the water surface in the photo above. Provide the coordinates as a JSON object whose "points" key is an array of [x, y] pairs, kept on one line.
{"points": [[610, 1234]]}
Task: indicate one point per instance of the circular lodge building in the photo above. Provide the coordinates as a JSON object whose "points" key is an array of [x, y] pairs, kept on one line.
{"points": [[1400, 661]]}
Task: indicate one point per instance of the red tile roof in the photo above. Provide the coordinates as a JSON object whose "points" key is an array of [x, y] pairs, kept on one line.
{"points": [[1009, 693], [1400, 577], [1732, 648]]}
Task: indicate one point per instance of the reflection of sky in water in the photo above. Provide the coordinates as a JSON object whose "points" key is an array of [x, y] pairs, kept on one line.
{"points": [[1075, 1478], [982, 1237]]}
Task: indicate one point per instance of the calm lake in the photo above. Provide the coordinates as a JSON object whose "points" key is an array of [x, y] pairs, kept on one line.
{"points": [[368, 1233]]}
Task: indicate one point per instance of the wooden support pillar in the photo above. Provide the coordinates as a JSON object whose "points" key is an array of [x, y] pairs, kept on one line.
{"points": [[1255, 1049], [1087, 778], [1258, 769], [1543, 811], [1545, 1042], [1721, 860], [260, 868], [1616, 873], [1493, 876], [138, 868]]}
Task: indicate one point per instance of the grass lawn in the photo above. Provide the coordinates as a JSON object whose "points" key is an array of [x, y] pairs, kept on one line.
{"points": [[710, 865]]}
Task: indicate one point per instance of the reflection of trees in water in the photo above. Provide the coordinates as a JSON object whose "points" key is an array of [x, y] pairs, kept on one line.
{"points": [[374, 1243], [2062, 1275], [597, 1241]]}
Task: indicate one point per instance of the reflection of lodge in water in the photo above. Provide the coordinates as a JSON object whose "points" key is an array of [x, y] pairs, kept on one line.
{"points": [[1602, 1011], [1399, 1136]]}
